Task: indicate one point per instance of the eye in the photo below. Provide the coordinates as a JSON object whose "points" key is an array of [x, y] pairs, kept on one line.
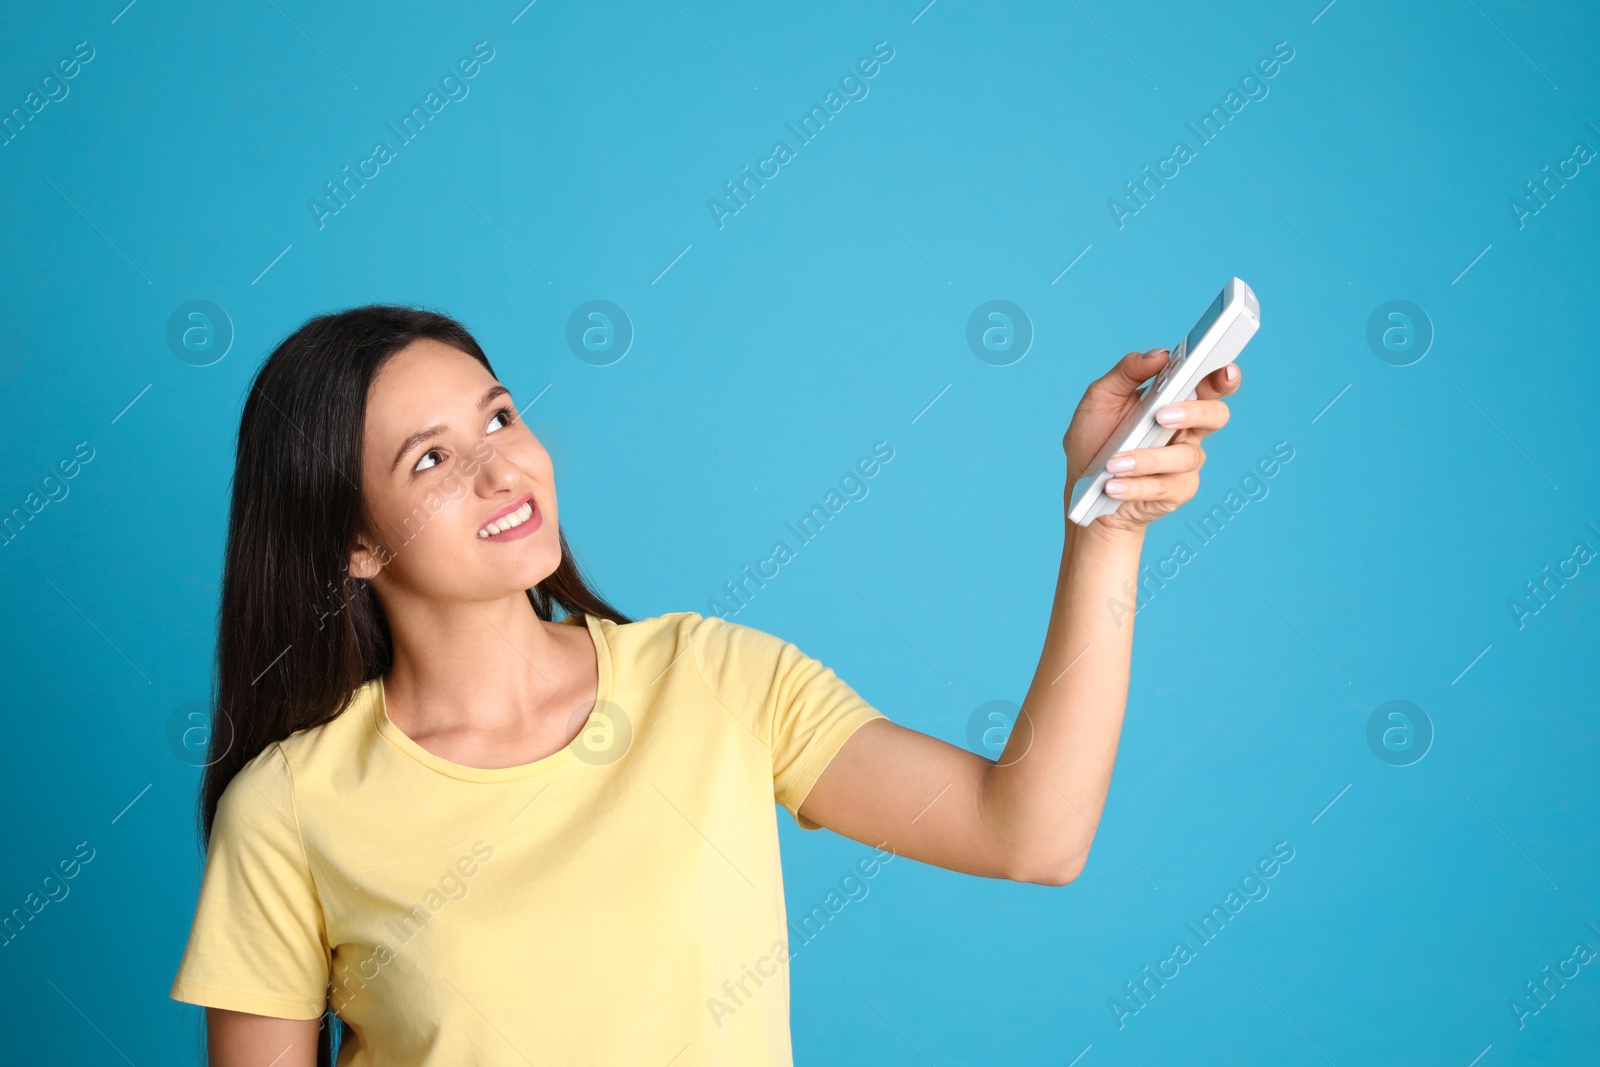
{"points": [[507, 414]]}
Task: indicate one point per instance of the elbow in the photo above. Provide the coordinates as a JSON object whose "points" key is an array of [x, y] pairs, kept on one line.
{"points": [[1048, 868]]}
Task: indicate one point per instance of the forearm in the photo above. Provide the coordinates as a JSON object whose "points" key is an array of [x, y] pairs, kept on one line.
{"points": [[1044, 795]]}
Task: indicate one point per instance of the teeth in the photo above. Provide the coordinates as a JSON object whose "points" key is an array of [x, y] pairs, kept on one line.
{"points": [[516, 518]]}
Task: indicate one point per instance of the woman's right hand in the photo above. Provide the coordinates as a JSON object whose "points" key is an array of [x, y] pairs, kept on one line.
{"points": [[1153, 481]]}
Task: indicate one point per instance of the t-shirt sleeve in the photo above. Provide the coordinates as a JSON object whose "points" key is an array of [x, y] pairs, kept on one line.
{"points": [[258, 943], [800, 707]]}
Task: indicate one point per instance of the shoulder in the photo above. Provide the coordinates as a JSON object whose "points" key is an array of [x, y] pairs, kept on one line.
{"points": [[724, 653], [710, 638], [331, 741], [664, 640], [744, 666], [266, 773], [274, 780], [720, 642], [258, 800], [654, 628]]}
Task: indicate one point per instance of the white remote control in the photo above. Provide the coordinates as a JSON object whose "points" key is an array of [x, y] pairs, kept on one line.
{"points": [[1219, 336]]}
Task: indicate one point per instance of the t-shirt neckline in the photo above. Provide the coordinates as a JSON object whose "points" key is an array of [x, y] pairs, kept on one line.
{"points": [[398, 737]]}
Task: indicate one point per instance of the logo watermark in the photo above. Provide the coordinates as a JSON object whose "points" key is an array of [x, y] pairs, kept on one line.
{"points": [[1399, 332], [599, 332], [999, 333], [990, 726], [1399, 733], [199, 332], [189, 734]]}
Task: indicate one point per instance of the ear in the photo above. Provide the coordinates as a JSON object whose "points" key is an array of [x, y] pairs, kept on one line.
{"points": [[366, 559]]}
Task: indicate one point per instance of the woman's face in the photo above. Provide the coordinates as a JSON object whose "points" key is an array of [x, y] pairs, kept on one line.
{"points": [[445, 454]]}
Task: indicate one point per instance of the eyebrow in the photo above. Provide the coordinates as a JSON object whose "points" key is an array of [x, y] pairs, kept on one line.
{"points": [[434, 431]]}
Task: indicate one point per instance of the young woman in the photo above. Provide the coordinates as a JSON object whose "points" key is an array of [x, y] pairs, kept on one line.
{"points": [[482, 834]]}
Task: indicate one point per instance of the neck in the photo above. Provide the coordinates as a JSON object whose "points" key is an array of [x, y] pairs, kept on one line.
{"points": [[474, 666]]}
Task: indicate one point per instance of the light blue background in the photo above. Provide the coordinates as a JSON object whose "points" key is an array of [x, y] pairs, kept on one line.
{"points": [[827, 315]]}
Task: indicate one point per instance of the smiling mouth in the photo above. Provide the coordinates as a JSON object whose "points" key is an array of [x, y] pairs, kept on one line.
{"points": [[509, 521]]}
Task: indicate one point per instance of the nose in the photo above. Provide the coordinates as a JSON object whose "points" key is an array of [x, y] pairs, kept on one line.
{"points": [[496, 470]]}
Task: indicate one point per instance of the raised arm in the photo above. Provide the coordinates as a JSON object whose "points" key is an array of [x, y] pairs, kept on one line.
{"points": [[1032, 814]]}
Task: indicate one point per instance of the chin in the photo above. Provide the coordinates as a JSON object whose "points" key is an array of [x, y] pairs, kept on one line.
{"points": [[541, 561]]}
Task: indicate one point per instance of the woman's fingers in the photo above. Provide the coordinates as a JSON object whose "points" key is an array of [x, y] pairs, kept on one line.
{"points": [[1174, 488], [1105, 402], [1128, 374], [1156, 481], [1204, 415], [1169, 459], [1218, 383]]}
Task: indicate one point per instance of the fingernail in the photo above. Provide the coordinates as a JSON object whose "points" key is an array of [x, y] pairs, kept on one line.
{"points": [[1118, 464], [1115, 487], [1157, 352], [1233, 372], [1170, 415]]}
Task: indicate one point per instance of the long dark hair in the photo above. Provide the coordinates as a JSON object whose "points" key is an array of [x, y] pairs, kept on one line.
{"points": [[296, 634]]}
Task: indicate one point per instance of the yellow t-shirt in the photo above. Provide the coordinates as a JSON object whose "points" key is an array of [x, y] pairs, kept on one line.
{"points": [[618, 902]]}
